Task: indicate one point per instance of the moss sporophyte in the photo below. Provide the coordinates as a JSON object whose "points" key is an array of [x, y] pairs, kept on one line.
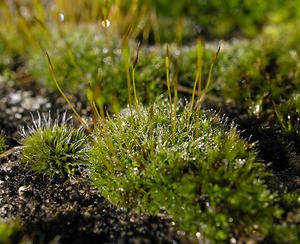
{"points": [[205, 176]]}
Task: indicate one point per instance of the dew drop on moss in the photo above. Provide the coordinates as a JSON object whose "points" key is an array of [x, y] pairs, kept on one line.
{"points": [[61, 17], [105, 23]]}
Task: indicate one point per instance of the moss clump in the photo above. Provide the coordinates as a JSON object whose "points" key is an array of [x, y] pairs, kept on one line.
{"points": [[205, 176], [287, 231], [52, 147]]}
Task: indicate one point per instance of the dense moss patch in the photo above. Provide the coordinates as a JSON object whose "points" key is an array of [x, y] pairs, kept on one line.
{"points": [[205, 176]]}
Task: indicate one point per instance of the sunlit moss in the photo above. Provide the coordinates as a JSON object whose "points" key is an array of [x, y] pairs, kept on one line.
{"points": [[205, 176], [53, 147]]}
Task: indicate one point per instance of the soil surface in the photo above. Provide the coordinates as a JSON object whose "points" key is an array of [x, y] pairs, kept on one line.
{"points": [[70, 210], [62, 210]]}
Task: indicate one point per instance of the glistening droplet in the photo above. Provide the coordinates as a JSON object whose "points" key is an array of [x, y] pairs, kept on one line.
{"points": [[105, 23], [61, 17]]}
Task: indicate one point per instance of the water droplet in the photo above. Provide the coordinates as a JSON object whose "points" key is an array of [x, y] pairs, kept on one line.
{"points": [[135, 170], [180, 232], [117, 51], [293, 54], [233, 240], [61, 17], [105, 23], [107, 60], [241, 161]]}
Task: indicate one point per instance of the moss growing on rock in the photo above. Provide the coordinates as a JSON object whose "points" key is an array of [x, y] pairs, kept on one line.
{"points": [[203, 174]]}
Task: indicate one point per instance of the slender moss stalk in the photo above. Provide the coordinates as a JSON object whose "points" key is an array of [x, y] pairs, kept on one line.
{"points": [[175, 104], [198, 77], [91, 97], [167, 65], [125, 52], [134, 63], [51, 69], [151, 125], [172, 113], [200, 52], [214, 60]]}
